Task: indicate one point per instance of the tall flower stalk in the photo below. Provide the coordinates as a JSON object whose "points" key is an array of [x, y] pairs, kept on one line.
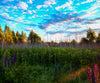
{"points": [[96, 72], [89, 75], [56, 70]]}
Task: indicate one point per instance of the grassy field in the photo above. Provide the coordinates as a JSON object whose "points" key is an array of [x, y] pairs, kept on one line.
{"points": [[46, 65]]}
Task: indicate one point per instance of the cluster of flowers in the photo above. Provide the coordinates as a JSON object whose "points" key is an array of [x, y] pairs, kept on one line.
{"points": [[93, 75], [7, 62]]}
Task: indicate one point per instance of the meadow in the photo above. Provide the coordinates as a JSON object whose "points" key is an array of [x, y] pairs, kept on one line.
{"points": [[46, 64]]}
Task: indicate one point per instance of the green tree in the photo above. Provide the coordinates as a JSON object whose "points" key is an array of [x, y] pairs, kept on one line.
{"points": [[98, 38], [14, 37], [8, 35], [91, 35], [34, 38], [23, 38], [84, 40], [18, 36], [1, 35], [74, 41]]}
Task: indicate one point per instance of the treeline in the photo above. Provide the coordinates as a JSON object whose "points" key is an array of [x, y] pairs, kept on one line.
{"points": [[89, 40], [9, 37]]}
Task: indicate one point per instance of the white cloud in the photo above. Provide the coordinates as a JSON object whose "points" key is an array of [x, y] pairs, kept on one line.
{"points": [[46, 15], [4, 1], [57, 37], [34, 16], [88, 1], [13, 25], [20, 19], [77, 4], [46, 4], [38, 6], [22, 5], [29, 28], [50, 2], [34, 11], [30, 1], [15, 7], [6, 16], [16, 15], [29, 12], [6, 10], [67, 4], [89, 14]]}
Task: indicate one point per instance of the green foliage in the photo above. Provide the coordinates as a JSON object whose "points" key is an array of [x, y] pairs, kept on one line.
{"points": [[23, 38], [84, 40], [98, 38], [91, 35], [74, 42], [1, 35], [18, 36], [14, 37], [8, 35], [37, 65], [33, 37]]}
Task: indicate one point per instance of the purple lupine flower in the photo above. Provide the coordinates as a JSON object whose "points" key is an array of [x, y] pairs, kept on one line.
{"points": [[93, 77], [6, 58], [96, 71], [5, 63], [3, 71], [56, 68], [8, 62], [14, 58], [89, 73]]}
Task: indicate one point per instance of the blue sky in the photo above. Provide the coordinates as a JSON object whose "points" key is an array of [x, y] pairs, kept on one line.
{"points": [[56, 20]]}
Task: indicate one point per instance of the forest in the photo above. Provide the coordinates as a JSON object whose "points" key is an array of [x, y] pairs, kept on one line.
{"points": [[9, 37]]}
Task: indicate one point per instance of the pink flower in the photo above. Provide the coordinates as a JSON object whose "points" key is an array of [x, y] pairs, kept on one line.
{"points": [[96, 72], [89, 73], [96, 68]]}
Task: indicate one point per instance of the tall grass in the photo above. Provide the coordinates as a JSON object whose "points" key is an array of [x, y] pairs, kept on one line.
{"points": [[42, 64]]}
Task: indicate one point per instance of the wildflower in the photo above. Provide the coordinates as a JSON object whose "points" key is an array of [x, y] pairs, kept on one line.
{"points": [[89, 74], [96, 71], [93, 77], [14, 58], [5, 63], [6, 58], [3, 71], [56, 68], [8, 62]]}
